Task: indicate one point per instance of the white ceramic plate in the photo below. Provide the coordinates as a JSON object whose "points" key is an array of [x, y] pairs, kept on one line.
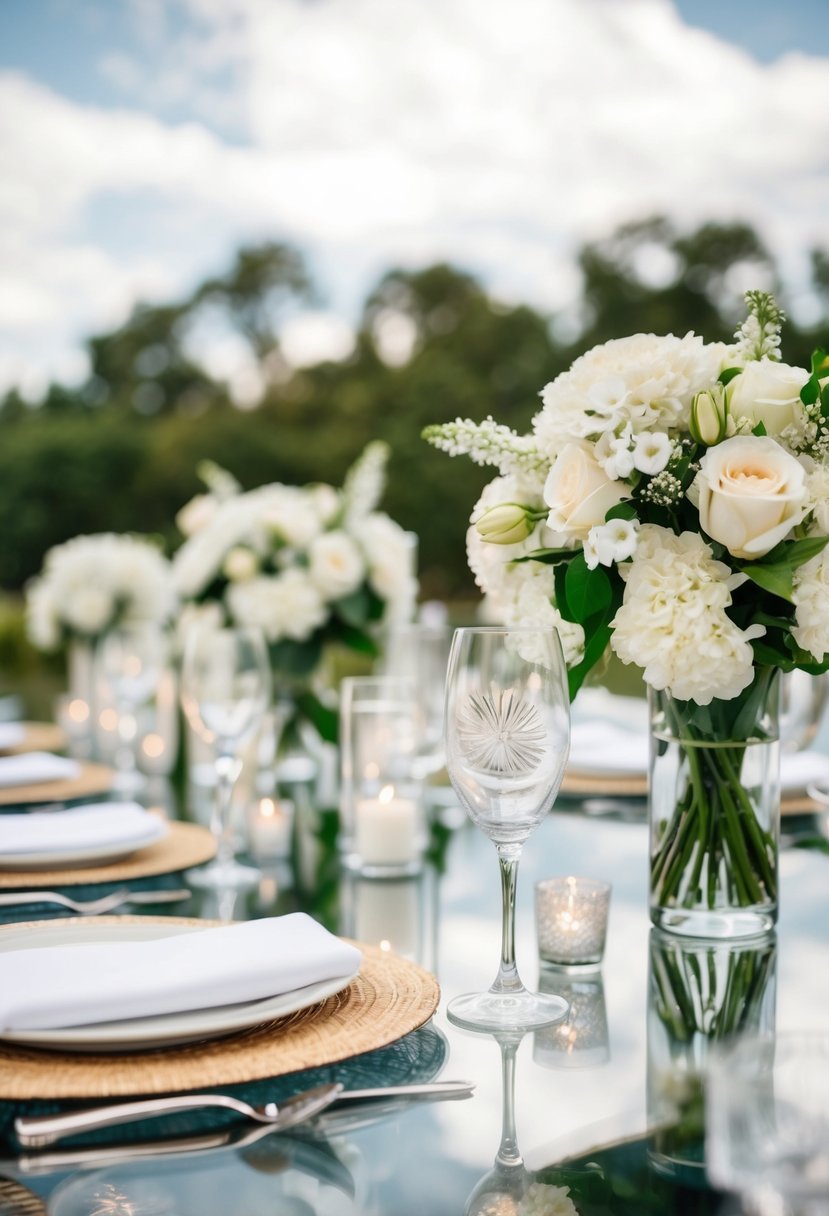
{"points": [[165, 1030], [88, 855]]}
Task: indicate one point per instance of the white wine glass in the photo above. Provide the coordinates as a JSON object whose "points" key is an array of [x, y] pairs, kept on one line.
{"points": [[225, 692], [130, 660], [507, 739]]}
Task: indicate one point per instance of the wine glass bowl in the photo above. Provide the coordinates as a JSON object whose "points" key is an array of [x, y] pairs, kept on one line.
{"points": [[129, 661], [225, 692], [507, 739]]}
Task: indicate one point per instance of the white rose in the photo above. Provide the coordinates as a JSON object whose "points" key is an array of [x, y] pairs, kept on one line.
{"points": [[751, 494], [196, 514], [336, 565], [768, 392], [578, 491]]}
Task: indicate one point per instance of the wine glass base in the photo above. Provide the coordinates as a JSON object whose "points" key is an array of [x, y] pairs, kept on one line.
{"points": [[493, 1011], [224, 874]]}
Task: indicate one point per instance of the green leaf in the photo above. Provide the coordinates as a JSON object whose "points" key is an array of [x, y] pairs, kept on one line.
{"points": [[354, 609], [560, 582], [622, 510], [728, 374], [549, 557], [776, 579], [588, 591], [594, 648], [767, 655], [759, 429], [295, 658], [810, 391], [820, 362], [325, 719], [358, 640]]}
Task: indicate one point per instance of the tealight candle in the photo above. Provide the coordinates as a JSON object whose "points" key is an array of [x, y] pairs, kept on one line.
{"points": [[571, 921], [269, 828], [387, 829]]}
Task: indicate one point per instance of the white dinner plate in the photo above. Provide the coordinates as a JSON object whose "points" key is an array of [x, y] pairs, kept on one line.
{"points": [[88, 855], [164, 1030]]}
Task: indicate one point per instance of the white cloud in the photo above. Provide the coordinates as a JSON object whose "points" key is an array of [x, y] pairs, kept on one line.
{"points": [[498, 136]]}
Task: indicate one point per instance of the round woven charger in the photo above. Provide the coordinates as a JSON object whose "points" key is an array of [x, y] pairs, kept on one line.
{"points": [[593, 785], [389, 998], [92, 779], [185, 845], [39, 737]]}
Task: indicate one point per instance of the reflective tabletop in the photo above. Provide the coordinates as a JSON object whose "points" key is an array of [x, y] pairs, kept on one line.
{"points": [[559, 1118]]}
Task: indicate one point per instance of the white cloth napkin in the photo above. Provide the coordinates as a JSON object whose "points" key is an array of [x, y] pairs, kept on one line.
{"points": [[76, 985], [33, 767], [604, 748], [801, 769], [11, 734], [101, 824]]}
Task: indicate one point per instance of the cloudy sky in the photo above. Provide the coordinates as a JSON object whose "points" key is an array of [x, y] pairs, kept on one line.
{"points": [[141, 141]]}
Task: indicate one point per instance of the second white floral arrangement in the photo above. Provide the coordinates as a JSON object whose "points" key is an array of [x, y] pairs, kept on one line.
{"points": [[672, 501], [91, 584], [308, 565]]}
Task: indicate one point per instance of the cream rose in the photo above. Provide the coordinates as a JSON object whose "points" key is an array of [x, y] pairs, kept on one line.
{"points": [[767, 392], [578, 491], [751, 494]]}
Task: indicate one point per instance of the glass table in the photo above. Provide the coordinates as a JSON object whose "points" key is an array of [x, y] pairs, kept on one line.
{"points": [[568, 1106]]}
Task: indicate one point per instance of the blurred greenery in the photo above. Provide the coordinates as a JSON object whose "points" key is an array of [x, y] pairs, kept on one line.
{"points": [[120, 452]]}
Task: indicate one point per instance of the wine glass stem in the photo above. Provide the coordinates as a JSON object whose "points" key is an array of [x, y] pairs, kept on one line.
{"points": [[508, 1153], [222, 807], [508, 980], [127, 730]]}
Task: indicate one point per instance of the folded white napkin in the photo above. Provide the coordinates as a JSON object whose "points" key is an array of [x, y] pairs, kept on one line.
{"points": [[33, 767], [801, 769], [76, 985], [11, 734], [99, 824], [607, 749]]}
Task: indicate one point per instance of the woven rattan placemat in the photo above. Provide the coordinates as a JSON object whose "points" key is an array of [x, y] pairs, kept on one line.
{"points": [[389, 998], [38, 737], [185, 845], [92, 779], [600, 785]]}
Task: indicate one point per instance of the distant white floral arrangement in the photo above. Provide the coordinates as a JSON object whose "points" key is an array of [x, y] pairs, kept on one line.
{"points": [[307, 565], [90, 584], [672, 502]]}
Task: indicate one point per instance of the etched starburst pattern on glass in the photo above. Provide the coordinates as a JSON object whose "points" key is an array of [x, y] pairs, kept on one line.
{"points": [[500, 732]]}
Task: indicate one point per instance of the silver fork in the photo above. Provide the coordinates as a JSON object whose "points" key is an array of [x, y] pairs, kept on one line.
{"points": [[91, 907], [37, 1131]]}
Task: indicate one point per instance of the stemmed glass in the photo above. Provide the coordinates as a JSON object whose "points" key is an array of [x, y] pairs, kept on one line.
{"points": [[767, 1123], [507, 739], [130, 660], [225, 691]]}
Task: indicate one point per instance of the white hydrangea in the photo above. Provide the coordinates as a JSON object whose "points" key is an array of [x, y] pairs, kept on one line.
{"points": [[336, 565], [811, 599], [286, 606], [491, 564], [644, 380], [390, 554], [91, 583], [817, 496], [673, 623], [534, 609], [544, 1199]]}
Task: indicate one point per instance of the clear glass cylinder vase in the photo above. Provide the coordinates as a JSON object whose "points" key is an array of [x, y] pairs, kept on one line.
{"points": [[714, 799]]}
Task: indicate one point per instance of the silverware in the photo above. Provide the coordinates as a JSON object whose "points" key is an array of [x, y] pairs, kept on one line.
{"points": [[92, 907], [38, 1131]]}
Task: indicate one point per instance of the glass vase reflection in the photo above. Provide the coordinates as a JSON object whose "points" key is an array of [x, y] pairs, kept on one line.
{"points": [[700, 994], [582, 1039], [396, 914]]}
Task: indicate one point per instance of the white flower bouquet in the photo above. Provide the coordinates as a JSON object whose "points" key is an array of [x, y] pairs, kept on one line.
{"points": [[308, 565], [93, 583], [672, 502]]}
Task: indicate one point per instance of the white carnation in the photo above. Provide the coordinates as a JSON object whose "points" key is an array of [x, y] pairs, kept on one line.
{"points": [[811, 599], [336, 565], [286, 606], [644, 380], [534, 609], [673, 624]]}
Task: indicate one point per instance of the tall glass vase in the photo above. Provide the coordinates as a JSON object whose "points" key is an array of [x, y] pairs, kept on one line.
{"points": [[715, 812]]}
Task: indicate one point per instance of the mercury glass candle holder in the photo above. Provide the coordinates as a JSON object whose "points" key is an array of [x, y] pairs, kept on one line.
{"points": [[581, 1040], [571, 922]]}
